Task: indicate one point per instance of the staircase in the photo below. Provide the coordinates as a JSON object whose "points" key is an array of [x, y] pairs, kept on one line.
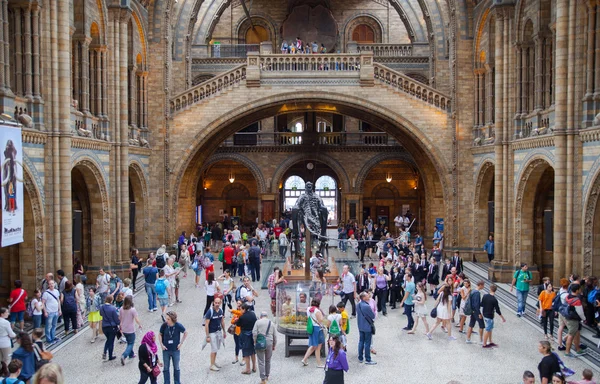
{"points": [[268, 69], [478, 271]]}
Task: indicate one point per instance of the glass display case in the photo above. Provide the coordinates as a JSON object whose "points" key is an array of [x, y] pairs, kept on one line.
{"points": [[292, 301]]}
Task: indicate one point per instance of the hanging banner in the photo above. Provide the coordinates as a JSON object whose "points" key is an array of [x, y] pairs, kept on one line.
{"points": [[11, 171]]}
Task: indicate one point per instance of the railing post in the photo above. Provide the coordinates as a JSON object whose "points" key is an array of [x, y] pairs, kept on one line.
{"points": [[253, 70], [367, 71], [352, 47]]}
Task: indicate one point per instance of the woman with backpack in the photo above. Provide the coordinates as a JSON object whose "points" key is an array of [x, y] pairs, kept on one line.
{"points": [[69, 307], [316, 336]]}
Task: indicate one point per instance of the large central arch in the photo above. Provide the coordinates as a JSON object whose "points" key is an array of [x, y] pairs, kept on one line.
{"points": [[431, 158]]}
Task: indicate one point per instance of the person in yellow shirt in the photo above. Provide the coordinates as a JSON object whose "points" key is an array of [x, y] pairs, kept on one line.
{"points": [[546, 298], [345, 326]]}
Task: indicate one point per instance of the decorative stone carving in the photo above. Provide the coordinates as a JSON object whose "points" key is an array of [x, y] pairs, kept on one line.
{"points": [[38, 220], [23, 118], [483, 170]]}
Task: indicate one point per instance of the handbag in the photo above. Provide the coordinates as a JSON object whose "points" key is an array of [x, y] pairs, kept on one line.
{"points": [[156, 371], [231, 329], [261, 340], [433, 313]]}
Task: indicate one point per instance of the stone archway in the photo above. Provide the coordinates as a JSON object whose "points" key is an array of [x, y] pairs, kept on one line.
{"points": [[25, 261], [484, 193], [90, 194], [591, 229], [527, 200], [139, 211], [367, 20]]}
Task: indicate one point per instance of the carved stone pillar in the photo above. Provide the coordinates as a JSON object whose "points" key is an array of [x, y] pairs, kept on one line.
{"points": [[85, 75], [490, 87], [27, 55], [480, 98], [519, 84], [76, 70], [524, 81], [18, 52], [597, 58], [35, 36], [99, 83], [92, 81], [538, 66], [104, 54], [145, 103], [124, 148], [6, 46], [548, 72], [132, 82], [500, 236]]}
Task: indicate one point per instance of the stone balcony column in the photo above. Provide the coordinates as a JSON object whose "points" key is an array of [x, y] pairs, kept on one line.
{"points": [[6, 41], [367, 70], [35, 36], [253, 70], [18, 52], [27, 55]]}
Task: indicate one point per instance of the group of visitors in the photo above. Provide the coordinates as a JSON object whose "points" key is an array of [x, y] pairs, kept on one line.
{"points": [[300, 46]]}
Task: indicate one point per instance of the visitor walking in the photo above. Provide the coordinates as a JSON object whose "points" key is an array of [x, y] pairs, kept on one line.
{"points": [[348, 283], [110, 326], [489, 306], [366, 326], [246, 323], [128, 316], [546, 298], [573, 319], [475, 298], [549, 364], [336, 363], [6, 334], [420, 308], [407, 301], [214, 327], [228, 288], [212, 287], [81, 302], [443, 308], [69, 307], [162, 291], [316, 335], [149, 364], [380, 283], [236, 331], [521, 278], [488, 247], [171, 341], [265, 339], [136, 266]]}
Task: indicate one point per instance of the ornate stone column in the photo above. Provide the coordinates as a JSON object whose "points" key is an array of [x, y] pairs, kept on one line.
{"points": [[35, 36], [548, 71], [524, 81], [85, 75], [480, 98], [539, 73], [27, 55], [92, 81], [6, 46], [124, 148], [99, 83], [597, 60], [18, 52], [500, 236], [560, 140], [132, 82], [519, 84]]}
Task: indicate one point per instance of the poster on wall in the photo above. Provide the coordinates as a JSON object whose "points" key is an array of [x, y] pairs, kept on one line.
{"points": [[11, 171]]}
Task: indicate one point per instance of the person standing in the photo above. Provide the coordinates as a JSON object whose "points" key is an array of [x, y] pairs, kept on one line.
{"points": [[6, 334], [162, 287], [283, 244], [110, 326], [336, 363], [317, 337], [128, 316], [443, 305], [17, 300], [103, 284], [457, 262], [81, 304], [26, 355], [407, 301], [264, 328], [574, 321], [246, 323], [348, 288], [68, 302], [51, 301], [489, 305], [522, 278], [420, 308], [254, 257], [171, 341], [228, 287], [248, 293], [136, 265], [212, 287], [150, 277], [228, 253], [148, 354], [380, 282], [365, 319], [214, 326], [488, 247], [546, 298], [37, 306]]}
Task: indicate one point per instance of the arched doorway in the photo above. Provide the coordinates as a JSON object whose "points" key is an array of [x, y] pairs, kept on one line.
{"points": [[534, 232], [228, 187], [257, 34], [483, 205], [137, 207], [90, 222], [363, 34], [24, 261]]}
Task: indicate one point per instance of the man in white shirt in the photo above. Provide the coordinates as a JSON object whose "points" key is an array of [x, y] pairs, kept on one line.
{"points": [[248, 293], [398, 223], [103, 284], [51, 300], [348, 283], [236, 234]]}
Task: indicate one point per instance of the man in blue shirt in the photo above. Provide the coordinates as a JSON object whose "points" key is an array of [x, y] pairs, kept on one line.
{"points": [[419, 243], [254, 261], [489, 248], [365, 317], [150, 276], [407, 301]]}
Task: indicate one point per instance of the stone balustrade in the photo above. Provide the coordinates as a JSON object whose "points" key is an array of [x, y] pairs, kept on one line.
{"points": [[90, 126], [405, 84], [244, 139], [304, 63], [386, 50], [536, 124], [209, 88]]}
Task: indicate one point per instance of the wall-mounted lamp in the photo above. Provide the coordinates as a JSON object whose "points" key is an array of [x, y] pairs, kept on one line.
{"points": [[231, 177], [388, 177]]}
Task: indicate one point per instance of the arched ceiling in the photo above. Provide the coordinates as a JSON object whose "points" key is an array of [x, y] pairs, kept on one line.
{"points": [[425, 20]]}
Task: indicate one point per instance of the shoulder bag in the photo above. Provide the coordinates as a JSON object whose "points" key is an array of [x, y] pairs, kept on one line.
{"points": [[18, 298], [433, 313], [371, 323]]}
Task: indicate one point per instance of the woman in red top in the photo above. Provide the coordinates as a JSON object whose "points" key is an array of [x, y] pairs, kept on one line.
{"points": [[17, 299]]}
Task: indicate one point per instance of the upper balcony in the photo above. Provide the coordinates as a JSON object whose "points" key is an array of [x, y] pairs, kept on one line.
{"points": [[310, 139]]}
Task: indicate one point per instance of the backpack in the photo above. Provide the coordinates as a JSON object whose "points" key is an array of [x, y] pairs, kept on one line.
{"points": [[29, 309], [334, 328], [161, 287], [160, 261], [591, 297], [69, 302], [221, 256], [556, 303], [568, 311], [238, 293], [468, 309], [261, 340], [14, 382]]}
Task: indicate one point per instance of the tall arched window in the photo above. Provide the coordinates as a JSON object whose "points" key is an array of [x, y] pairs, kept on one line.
{"points": [[326, 187], [292, 189], [363, 34]]}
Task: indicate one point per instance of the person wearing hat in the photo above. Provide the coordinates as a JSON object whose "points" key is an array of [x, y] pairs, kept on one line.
{"points": [[264, 327]]}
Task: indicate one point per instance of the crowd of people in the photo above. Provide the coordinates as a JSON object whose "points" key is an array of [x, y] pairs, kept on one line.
{"points": [[299, 46]]}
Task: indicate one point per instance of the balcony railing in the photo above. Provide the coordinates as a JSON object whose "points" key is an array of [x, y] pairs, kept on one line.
{"points": [[90, 126], [251, 139], [303, 63], [386, 50], [224, 50]]}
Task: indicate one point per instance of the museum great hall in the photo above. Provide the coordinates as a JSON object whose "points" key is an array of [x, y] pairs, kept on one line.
{"points": [[141, 117]]}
